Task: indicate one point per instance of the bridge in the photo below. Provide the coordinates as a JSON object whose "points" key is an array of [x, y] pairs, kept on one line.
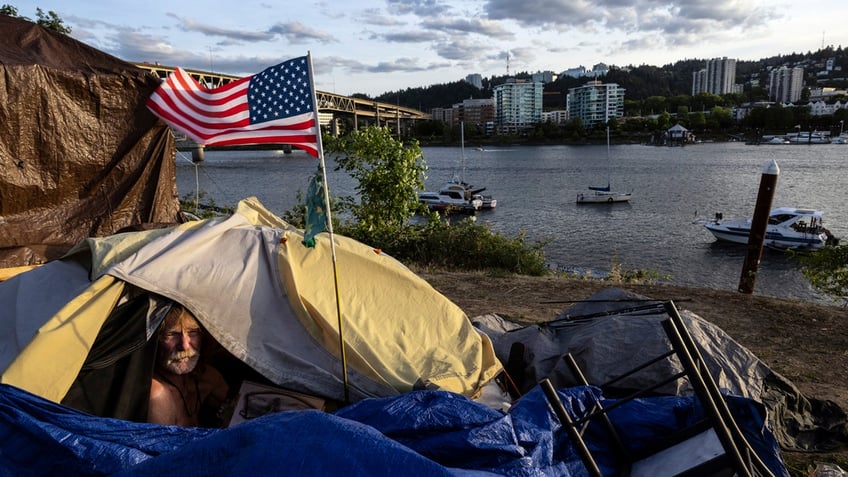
{"points": [[335, 111]]}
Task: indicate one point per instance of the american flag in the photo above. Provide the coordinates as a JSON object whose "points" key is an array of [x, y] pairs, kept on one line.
{"points": [[274, 106]]}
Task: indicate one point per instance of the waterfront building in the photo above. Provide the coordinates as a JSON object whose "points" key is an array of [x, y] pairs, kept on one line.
{"points": [[518, 106], [718, 77], [822, 108], [476, 111], [595, 103], [556, 117], [785, 84], [443, 114], [826, 93]]}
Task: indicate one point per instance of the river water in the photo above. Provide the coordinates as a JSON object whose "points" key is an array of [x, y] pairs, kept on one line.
{"points": [[536, 188]]}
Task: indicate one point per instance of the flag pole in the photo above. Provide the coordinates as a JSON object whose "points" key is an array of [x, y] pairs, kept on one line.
{"points": [[329, 230]]}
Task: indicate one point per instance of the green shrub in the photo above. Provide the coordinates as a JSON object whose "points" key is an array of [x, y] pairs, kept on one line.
{"points": [[827, 270], [465, 245]]}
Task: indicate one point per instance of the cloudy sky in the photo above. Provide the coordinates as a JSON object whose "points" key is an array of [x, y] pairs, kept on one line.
{"points": [[377, 46]]}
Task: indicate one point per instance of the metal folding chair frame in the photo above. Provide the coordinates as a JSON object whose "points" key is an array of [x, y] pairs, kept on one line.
{"points": [[738, 454]]}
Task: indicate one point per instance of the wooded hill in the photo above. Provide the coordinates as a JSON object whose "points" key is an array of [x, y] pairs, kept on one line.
{"points": [[640, 82]]}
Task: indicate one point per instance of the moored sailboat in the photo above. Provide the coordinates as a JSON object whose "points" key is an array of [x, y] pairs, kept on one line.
{"points": [[603, 194]]}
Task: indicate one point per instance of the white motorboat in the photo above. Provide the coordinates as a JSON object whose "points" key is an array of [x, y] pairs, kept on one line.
{"points": [[452, 201], [807, 137], [458, 184], [469, 192], [777, 140], [788, 229], [603, 194]]}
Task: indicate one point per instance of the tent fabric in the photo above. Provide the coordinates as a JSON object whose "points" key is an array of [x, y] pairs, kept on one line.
{"points": [[83, 156], [436, 433], [265, 297], [614, 330]]}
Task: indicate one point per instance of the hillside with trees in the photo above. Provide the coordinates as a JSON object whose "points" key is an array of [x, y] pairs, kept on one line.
{"points": [[642, 82]]}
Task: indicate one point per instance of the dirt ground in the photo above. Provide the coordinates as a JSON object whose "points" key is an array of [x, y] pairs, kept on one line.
{"points": [[805, 342]]}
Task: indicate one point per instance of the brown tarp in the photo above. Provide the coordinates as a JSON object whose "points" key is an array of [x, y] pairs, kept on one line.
{"points": [[80, 154]]}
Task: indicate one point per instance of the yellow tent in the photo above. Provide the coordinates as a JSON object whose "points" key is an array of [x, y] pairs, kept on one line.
{"points": [[265, 297]]}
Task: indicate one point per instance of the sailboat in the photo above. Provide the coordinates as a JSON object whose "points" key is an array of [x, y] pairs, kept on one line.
{"points": [[603, 194], [458, 184]]}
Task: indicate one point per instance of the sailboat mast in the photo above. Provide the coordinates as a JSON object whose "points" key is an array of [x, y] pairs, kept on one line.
{"points": [[462, 149], [609, 162]]}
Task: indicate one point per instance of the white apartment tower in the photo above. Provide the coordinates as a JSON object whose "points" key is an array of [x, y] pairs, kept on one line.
{"points": [[717, 78], [785, 84], [595, 103], [475, 79], [518, 106]]}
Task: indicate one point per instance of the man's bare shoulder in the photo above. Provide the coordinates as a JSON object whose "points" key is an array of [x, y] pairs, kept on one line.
{"points": [[162, 408]]}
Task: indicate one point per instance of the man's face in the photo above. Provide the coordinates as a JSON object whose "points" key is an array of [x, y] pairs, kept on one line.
{"points": [[179, 342]]}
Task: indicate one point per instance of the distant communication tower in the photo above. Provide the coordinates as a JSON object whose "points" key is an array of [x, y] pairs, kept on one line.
{"points": [[507, 63]]}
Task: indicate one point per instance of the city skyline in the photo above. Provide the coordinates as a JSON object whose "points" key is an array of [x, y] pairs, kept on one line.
{"points": [[374, 47]]}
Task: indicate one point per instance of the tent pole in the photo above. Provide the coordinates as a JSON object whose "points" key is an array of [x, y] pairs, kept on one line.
{"points": [[330, 231]]}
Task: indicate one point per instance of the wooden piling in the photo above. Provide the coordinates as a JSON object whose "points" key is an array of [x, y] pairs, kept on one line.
{"points": [[759, 224]]}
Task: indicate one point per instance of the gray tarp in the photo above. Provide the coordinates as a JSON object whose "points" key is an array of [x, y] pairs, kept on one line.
{"points": [[608, 334]]}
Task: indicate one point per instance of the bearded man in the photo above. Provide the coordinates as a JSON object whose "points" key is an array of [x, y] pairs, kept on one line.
{"points": [[184, 391]]}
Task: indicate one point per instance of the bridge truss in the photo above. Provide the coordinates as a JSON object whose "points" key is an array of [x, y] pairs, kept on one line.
{"points": [[336, 112]]}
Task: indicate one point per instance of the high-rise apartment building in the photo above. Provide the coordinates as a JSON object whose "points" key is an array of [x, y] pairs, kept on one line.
{"points": [[785, 84], [717, 78], [475, 79], [595, 103], [518, 106]]}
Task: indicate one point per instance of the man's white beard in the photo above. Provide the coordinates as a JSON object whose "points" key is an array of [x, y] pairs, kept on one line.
{"points": [[182, 362]]}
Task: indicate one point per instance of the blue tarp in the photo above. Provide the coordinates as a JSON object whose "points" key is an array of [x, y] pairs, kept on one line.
{"points": [[421, 433]]}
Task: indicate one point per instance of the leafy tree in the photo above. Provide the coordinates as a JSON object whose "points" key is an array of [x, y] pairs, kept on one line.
{"points": [[655, 105], [431, 129], [575, 126], [389, 175], [49, 20], [827, 270], [675, 103], [683, 114], [722, 116], [664, 120], [697, 120]]}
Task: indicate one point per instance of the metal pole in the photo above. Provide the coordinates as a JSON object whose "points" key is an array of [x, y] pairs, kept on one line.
{"points": [[320, 147], [566, 422], [759, 224]]}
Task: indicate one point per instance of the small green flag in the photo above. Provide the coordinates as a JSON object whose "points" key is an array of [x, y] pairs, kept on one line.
{"points": [[316, 216]]}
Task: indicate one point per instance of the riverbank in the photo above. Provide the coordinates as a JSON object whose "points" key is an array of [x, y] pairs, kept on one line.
{"points": [[806, 343]]}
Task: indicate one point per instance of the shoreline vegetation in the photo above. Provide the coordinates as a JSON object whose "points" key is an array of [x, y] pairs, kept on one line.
{"points": [[805, 342]]}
